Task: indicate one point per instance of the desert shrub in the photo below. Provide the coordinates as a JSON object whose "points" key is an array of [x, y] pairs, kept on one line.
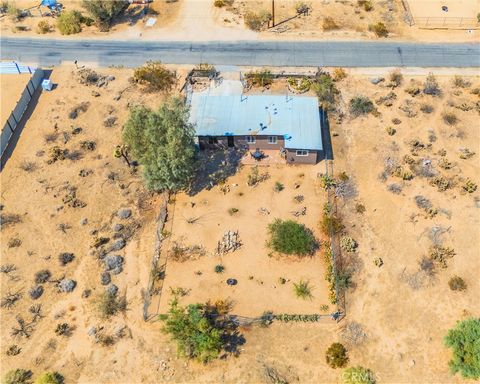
{"points": [[339, 74], [426, 108], [441, 183], [219, 3], [336, 356], [390, 130], [49, 378], [63, 329], [155, 76], [464, 342], [219, 268], [348, 244], [42, 276], [299, 85], [329, 24], [43, 27], [326, 91], [303, 290], [13, 12], [431, 87], [469, 186], [365, 4], [396, 78], [289, 237], [17, 376], [256, 21], [7, 219], [14, 242], [104, 12], [254, 177], [69, 22], [360, 208], [196, 333], [379, 29], [163, 143], [460, 82], [360, 105], [232, 211], [331, 224], [301, 7], [450, 118], [260, 78], [440, 255], [358, 375], [278, 187], [456, 283], [109, 304]]}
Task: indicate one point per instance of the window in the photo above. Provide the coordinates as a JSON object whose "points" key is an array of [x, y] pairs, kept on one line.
{"points": [[272, 139], [250, 139], [302, 152], [212, 140]]}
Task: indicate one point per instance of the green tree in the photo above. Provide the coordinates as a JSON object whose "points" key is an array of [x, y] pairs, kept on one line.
{"points": [[105, 11], [196, 333], [464, 339], [291, 238], [49, 378], [358, 375], [17, 376], [163, 142], [69, 22]]}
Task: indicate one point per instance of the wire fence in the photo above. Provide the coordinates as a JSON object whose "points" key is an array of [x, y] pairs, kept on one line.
{"points": [[446, 22]]}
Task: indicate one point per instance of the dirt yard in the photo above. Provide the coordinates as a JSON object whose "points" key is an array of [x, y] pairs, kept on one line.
{"points": [[11, 88], [395, 305], [463, 9]]}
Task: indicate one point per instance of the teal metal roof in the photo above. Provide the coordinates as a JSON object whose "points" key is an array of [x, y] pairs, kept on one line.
{"points": [[297, 118]]}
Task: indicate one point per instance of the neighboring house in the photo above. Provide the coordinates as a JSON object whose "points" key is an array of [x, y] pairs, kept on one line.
{"points": [[289, 124]]}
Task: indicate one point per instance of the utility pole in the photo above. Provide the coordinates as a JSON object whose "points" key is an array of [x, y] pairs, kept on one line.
{"points": [[273, 13]]}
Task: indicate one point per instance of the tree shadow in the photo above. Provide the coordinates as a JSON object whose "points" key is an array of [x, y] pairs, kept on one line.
{"points": [[232, 340], [215, 166]]}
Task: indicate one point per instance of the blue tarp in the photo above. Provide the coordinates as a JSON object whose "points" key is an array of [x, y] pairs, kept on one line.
{"points": [[49, 3]]}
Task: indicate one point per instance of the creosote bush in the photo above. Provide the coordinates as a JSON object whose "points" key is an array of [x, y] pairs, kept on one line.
{"points": [[291, 238], [456, 283], [155, 76], [43, 27], [104, 12], [379, 29], [110, 305], [465, 345], [450, 118], [324, 87], [17, 376], [336, 356], [329, 24], [431, 87], [360, 105], [69, 22], [49, 378], [256, 21]]}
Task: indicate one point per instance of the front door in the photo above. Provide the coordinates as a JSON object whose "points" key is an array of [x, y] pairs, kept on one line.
{"points": [[230, 141]]}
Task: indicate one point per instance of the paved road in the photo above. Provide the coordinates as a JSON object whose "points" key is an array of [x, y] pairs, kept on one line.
{"points": [[255, 53]]}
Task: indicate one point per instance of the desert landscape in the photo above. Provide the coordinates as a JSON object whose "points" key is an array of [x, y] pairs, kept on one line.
{"points": [[251, 20], [78, 223]]}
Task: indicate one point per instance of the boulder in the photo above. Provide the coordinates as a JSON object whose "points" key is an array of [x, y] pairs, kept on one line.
{"points": [[67, 285]]}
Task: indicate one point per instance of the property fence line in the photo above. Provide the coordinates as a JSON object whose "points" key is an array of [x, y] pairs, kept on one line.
{"points": [[19, 110], [340, 295], [155, 268], [446, 22], [408, 13], [13, 68]]}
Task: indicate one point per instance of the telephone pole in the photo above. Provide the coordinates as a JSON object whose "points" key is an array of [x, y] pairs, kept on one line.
{"points": [[273, 13]]}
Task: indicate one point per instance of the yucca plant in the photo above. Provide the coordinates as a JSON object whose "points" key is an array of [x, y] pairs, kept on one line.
{"points": [[303, 290]]}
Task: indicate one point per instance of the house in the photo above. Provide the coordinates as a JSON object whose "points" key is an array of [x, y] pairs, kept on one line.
{"points": [[289, 124]]}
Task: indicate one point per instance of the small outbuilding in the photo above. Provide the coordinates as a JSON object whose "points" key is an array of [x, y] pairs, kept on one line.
{"points": [[289, 124]]}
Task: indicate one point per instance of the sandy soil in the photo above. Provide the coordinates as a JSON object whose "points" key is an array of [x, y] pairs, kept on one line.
{"points": [[404, 326], [199, 20], [11, 88]]}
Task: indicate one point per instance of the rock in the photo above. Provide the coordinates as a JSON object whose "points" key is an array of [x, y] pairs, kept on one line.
{"points": [[110, 78], [117, 97], [76, 131], [67, 285], [95, 93], [124, 213], [86, 293], [117, 270], [66, 258], [118, 245], [105, 278], [113, 261], [36, 292], [411, 363], [84, 221], [377, 80], [92, 331], [117, 227], [93, 232], [112, 289]]}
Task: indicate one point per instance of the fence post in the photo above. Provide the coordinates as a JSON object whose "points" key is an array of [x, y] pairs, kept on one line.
{"points": [[18, 68]]}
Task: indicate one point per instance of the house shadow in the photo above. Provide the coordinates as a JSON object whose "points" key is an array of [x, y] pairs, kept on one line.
{"points": [[326, 136], [12, 143], [214, 167]]}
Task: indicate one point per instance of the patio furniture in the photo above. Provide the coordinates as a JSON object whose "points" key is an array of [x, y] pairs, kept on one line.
{"points": [[257, 155]]}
